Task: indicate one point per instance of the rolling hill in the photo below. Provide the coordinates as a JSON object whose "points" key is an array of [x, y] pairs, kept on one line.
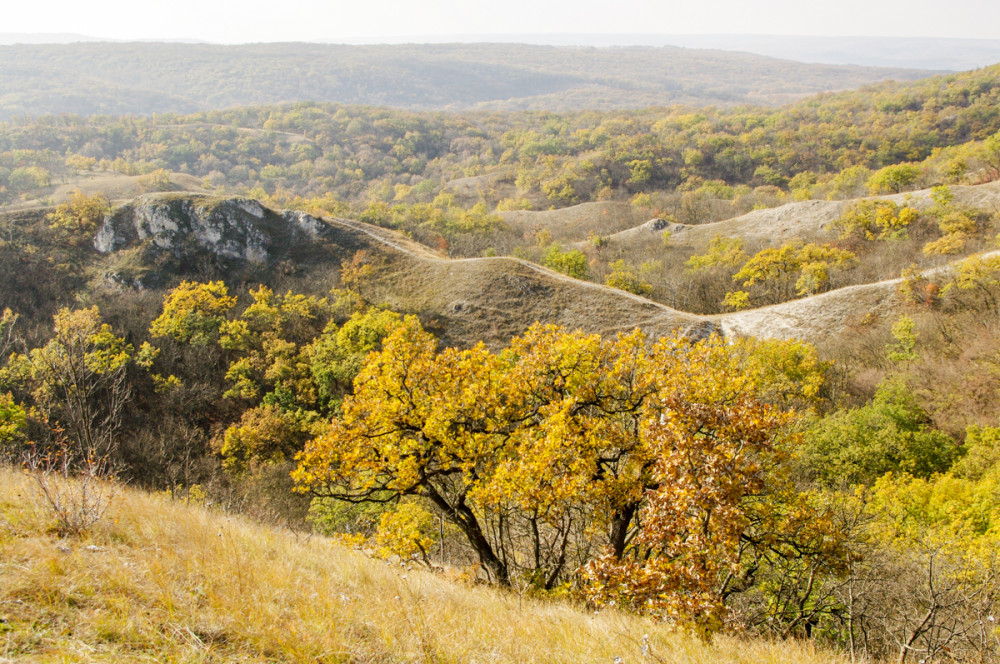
{"points": [[153, 241]]}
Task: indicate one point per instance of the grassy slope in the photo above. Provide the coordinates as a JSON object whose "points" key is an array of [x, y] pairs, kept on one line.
{"points": [[493, 299], [463, 301], [170, 582]]}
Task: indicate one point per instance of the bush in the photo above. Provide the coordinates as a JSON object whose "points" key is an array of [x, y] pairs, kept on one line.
{"points": [[571, 262], [890, 434]]}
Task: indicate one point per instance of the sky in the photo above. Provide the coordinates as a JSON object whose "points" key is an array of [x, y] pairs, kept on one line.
{"points": [[354, 21]]}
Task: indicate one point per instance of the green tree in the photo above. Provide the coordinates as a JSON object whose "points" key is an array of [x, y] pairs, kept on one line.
{"points": [[572, 262], [890, 434], [893, 179]]}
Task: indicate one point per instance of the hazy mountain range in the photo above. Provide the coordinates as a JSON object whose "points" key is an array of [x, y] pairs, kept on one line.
{"points": [[911, 52], [143, 78]]}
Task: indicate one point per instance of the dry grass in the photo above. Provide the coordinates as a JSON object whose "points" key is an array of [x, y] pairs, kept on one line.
{"points": [[159, 581], [115, 186]]}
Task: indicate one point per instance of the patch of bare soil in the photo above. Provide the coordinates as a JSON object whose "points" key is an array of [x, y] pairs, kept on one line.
{"points": [[574, 224]]}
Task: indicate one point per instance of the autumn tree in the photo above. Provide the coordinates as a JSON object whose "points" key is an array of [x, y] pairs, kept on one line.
{"points": [[79, 216], [770, 272], [78, 380], [193, 312], [958, 225], [977, 276], [722, 251], [874, 220], [417, 425], [666, 450], [625, 278]]}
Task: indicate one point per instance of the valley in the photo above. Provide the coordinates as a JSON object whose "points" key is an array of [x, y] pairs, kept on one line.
{"points": [[706, 380]]}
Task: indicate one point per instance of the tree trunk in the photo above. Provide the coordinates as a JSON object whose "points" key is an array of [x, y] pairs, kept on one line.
{"points": [[620, 522], [462, 516]]}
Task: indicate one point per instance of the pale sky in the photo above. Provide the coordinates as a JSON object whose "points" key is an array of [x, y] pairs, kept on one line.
{"points": [[390, 20]]}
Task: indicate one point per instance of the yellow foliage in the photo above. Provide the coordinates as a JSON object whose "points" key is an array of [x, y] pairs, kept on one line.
{"points": [[625, 278], [193, 312], [737, 300], [952, 243], [80, 214], [875, 220], [727, 251], [406, 532], [562, 426]]}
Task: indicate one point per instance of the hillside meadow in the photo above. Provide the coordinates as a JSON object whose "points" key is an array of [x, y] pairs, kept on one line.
{"points": [[163, 580]]}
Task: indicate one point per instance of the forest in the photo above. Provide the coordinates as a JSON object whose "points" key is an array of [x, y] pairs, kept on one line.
{"points": [[148, 78], [291, 367]]}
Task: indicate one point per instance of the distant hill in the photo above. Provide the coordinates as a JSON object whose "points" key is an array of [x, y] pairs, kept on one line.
{"points": [[146, 78], [921, 52], [44, 38], [924, 52]]}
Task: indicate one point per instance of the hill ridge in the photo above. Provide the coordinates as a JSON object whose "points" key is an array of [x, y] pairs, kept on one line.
{"points": [[91, 78]]}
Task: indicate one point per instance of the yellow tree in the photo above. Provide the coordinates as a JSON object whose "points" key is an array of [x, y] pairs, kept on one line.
{"points": [[770, 272], [78, 379], [666, 452], [79, 216], [418, 424], [193, 312], [875, 220]]}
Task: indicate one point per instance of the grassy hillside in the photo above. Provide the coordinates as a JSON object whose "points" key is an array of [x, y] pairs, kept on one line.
{"points": [[463, 301], [160, 580]]}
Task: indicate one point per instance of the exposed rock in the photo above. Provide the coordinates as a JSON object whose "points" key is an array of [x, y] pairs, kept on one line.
{"points": [[234, 228], [312, 226], [123, 281]]}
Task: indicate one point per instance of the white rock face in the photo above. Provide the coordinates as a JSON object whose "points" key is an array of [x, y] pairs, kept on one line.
{"points": [[232, 228], [312, 226], [104, 242]]}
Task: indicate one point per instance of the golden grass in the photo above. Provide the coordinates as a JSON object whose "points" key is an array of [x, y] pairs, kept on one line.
{"points": [[168, 582]]}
